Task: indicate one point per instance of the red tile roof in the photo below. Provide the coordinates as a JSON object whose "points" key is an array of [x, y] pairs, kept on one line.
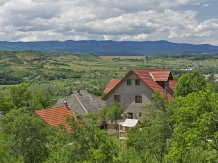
{"points": [[111, 85], [54, 116], [152, 78]]}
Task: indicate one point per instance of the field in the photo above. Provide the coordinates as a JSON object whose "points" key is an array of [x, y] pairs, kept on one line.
{"points": [[71, 71]]}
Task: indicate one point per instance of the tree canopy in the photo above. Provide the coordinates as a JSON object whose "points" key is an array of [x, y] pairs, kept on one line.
{"points": [[190, 82], [196, 127]]}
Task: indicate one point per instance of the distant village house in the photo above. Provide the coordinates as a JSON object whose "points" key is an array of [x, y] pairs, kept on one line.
{"points": [[135, 89]]}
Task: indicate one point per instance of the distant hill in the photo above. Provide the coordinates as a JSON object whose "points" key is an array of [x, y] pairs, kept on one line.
{"points": [[109, 48]]}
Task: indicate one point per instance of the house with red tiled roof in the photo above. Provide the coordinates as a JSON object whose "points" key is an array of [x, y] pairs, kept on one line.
{"points": [[136, 88], [54, 116]]}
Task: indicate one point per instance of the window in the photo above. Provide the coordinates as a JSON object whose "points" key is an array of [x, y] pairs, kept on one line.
{"points": [[137, 81], [129, 82], [117, 98], [140, 114], [138, 99]]}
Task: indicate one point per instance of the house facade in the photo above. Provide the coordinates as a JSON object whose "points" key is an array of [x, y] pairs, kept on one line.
{"points": [[136, 88]]}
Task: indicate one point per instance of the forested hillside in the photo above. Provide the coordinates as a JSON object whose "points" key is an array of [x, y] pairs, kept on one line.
{"points": [[109, 48]]}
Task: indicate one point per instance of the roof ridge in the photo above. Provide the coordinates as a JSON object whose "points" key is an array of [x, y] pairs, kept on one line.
{"points": [[81, 104], [60, 102], [151, 76], [160, 71]]}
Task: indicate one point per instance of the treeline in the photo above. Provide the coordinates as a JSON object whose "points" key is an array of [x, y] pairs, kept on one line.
{"points": [[191, 56]]}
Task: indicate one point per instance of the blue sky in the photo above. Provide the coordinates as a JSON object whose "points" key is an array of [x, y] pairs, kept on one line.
{"points": [[181, 21]]}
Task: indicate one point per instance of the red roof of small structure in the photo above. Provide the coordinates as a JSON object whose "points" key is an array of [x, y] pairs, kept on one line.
{"points": [[152, 78], [54, 116], [111, 85]]}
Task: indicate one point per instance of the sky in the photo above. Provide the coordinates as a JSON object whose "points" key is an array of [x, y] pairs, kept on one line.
{"points": [[179, 21]]}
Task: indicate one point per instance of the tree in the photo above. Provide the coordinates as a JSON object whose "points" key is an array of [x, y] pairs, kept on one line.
{"points": [[114, 112], [41, 100], [59, 146], [4, 104], [20, 95], [102, 114], [24, 136], [190, 82], [196, 128], [151, 142], [84, 143]]}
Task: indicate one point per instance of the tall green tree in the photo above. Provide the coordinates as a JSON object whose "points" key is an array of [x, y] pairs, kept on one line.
{"points": [[102, 114], [20, 95], [5, 105], [24, 136], [152, 141], [41, 100], [196, 128], [85, 143], [114, 112], [190, 82]]}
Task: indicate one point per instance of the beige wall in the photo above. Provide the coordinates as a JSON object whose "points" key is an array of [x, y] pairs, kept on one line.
{"points": [[127, 94]]}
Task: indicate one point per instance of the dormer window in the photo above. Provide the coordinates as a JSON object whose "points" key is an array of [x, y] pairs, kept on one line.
{"points": [[137, 81], [128, 81]]}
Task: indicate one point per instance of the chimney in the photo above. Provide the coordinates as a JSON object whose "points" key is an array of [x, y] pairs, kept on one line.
{"points": [[78, 91], [65, 103]]}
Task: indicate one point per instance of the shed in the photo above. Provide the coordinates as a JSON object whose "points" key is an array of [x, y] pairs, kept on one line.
{"points": [[126, 125]]}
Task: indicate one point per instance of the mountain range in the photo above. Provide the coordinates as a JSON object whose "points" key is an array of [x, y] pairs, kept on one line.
{"points": [[110, 48]]}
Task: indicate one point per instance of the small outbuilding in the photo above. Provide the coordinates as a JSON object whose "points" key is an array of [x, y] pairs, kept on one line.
{"points": [[125, 126]]}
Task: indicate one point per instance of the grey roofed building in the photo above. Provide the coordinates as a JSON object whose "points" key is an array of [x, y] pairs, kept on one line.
{"points": [[82, 102]]}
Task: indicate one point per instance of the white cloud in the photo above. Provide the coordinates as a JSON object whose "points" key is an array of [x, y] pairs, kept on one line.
{"points": [[34, 20], [205, 5], [197, 4]]}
